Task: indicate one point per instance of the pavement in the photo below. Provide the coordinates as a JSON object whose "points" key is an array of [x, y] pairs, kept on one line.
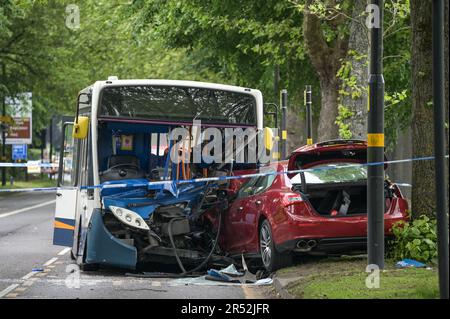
{"points": [[31, 267]]}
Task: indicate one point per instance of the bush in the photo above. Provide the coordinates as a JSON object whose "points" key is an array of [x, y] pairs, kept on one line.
{"points": [[416, 240]]}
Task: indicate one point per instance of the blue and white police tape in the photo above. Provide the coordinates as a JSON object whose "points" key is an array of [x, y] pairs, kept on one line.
{"points": [[28, 164], [36, 189], [231, 177]]}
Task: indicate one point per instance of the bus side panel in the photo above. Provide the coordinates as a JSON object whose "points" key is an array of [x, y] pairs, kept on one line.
{"points": [[65, 210]]}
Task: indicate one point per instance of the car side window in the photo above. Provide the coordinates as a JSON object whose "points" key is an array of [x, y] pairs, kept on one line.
{"points": [[256, 185], [264, 183], [247, 188]]}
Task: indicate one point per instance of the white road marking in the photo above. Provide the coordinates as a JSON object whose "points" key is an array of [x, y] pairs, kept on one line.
{"points": [[30, 282], [27, 208], [64, 251], [21, 289], [8, 289], [29, 275], [51, 261]]}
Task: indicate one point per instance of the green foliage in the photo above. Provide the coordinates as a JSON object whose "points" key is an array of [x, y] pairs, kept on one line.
{"points": [[243, 40], [344, 129], [236, 42], [416, 240], [397, 69], [349, 85], [42, 55]]}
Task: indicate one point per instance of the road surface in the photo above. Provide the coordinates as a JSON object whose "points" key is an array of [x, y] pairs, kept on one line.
{"points": [[31, 267]]}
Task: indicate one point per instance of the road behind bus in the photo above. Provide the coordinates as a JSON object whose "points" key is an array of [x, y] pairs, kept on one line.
{"points": [[26, 230]]}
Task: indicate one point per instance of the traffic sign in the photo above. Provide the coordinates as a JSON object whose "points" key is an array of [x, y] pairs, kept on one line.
{"points": [[19, 152]]}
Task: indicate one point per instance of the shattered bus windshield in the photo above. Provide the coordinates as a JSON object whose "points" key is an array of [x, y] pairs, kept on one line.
{"points": [[178, 104]]}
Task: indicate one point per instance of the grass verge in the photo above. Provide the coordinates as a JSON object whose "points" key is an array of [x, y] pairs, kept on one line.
{"points": [[345, 278], [32, 183]]}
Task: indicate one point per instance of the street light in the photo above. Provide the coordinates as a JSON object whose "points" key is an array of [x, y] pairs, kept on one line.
{"points": [[375, 142], [439, 144]]}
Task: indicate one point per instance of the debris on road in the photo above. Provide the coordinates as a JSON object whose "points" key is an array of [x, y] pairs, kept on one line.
{"points": [[408, 263]]}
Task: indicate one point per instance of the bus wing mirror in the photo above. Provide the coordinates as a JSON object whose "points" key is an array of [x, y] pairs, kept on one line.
{"points": [[268, 138], [80, 127]]}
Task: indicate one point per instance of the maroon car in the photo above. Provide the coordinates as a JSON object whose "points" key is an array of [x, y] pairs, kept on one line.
{"points": [[318, 211]]}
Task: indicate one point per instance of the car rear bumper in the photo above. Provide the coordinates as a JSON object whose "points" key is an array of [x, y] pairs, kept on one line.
{"points": [[327, 245], [328, 234]]}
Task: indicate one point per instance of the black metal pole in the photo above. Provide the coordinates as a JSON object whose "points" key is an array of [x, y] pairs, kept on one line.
{"points": [[276, 82], [4, 128], [43, 133], [308, 104], [51, 141], [283, 124], [375, 143], [439, 145]]}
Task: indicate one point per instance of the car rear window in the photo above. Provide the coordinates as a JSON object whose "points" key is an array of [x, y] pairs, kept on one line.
{"points": [[333, 173]]}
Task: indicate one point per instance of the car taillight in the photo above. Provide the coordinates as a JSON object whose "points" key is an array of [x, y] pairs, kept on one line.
{"points": [[293, 203]]}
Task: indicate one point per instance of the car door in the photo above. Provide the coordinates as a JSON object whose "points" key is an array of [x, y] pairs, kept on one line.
{"points": [[256, 204], [233, 219], [67, 192]]}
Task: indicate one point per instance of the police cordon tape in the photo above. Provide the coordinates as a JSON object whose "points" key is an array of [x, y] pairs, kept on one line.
{"points": [[28, 165], [225, 178]]}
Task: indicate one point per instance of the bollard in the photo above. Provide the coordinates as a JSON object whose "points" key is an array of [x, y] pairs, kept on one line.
{"points": [[283, 123], [308, 104]]}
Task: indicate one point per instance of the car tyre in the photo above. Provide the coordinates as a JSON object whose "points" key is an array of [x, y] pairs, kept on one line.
{"points": [[271, 258]]}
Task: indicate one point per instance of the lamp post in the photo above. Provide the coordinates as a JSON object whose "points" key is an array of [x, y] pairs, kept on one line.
{"points": [[439, 144], [375, 141]]}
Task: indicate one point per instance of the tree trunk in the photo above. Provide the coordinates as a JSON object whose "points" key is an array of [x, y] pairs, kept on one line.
{"points": [[356, 98], [423, 191], [325, 58], [327, 129]]}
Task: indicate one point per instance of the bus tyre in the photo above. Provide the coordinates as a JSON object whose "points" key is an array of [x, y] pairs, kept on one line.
{"points": [[89, 267], [272, 259]]}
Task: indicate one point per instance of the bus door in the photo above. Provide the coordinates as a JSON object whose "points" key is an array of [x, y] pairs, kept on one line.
{"points": [[67, 191]]}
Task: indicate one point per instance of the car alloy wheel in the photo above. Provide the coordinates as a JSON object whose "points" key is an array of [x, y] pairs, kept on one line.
{"points": [[272, 259], [266, 244]]}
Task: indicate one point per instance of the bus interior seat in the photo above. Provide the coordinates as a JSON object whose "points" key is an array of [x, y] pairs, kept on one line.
{"points": [[122, 167], [115, 160]]}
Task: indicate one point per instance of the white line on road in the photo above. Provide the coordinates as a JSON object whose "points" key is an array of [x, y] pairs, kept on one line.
{"points": [[51, 261], [27, 208], [29, 275], [8, 290], [64, 251]]}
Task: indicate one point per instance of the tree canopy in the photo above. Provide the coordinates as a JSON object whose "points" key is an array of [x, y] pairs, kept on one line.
{"points": [[269, 45]]}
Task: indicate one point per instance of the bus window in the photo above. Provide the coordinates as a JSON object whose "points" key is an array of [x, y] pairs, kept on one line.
{"points": [[70, 158]]}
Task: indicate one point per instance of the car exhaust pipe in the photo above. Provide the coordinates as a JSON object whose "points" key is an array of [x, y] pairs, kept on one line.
{"points": [[312, 243], [302, 245]]}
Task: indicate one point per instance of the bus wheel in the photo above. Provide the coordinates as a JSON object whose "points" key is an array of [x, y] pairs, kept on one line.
{"points": [[89, 267]]}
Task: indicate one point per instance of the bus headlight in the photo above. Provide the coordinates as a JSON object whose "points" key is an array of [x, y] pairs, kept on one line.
{"points": [[129, 217]]}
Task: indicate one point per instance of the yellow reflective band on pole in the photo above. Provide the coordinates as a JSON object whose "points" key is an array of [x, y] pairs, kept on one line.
{"points": [[284, 135], [276, 155], [309, 141], [375, 140]]}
